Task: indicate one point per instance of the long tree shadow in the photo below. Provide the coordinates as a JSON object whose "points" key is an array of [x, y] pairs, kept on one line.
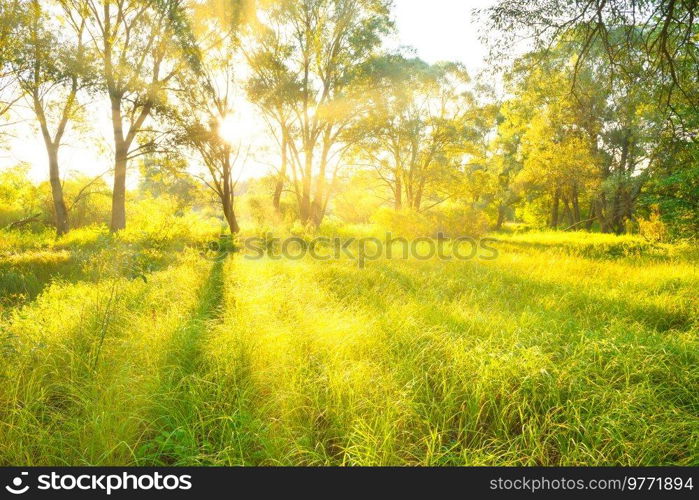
{"points": [[23, 277], [565, 324], [499, 290], [175, 406], [201, 416]]}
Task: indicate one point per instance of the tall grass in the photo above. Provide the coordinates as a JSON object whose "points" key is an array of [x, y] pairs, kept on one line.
{"points": [[563, 351]]}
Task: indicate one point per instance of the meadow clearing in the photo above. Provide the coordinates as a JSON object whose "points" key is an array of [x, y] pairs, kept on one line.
{"points": [[133, 349]]}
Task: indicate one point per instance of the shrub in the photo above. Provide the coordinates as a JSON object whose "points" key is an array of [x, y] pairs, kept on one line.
{"points": [[452, 221], [653, 229], [153, 221]]}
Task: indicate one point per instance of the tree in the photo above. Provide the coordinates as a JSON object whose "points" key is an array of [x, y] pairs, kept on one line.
{"points": [[205, 100], [665, 31], [559, 162], [51, 69], [140, 46], [275, 90], [168, 176], [19, 197], [595, 144], [673, 176], [323, 41], [418, 128], [647, 48], [506, 161], [11, 16]]}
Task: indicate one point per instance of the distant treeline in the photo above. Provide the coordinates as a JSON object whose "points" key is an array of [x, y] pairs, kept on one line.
{"points": [[594, 127]]}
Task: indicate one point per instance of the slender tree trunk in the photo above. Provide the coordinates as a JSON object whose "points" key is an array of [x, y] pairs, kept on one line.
{"points": [[119, 191], [575, 200], [418, 195], [281, 180], [555, 208], [591, 217], [567, 211], [59, 205], [321, 183], [305, 208], [501, 217], [398, 205], [121, 152], [52, 145], [617, 215], [228, 198], [229, 213], [601, 216]]}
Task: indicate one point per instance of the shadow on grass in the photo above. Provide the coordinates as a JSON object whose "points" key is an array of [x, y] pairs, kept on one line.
{"points": [[574, 368], [496, 289], [201, 418], [594, 251], [24, 276]]}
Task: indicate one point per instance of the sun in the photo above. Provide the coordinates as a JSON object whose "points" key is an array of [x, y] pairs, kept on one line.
{"points": [[229, 129]]}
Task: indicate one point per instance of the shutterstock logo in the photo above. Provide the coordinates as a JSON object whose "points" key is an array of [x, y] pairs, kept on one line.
{"points": [[17, 487]]}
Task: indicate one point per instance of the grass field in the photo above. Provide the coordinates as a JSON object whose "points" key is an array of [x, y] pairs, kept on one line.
{"points": [[568, 349]]}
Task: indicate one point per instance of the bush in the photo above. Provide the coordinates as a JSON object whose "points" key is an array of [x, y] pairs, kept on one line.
{"points": [[154, 221], [260, 211], [653, 229], [451, 221], [583, 244]]}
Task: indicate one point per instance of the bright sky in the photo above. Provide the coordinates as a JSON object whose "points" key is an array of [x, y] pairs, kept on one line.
{"points": [[438, 30], [442, 30]]}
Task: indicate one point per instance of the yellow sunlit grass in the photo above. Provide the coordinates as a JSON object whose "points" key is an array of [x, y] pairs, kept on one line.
{"points": [[563, 351]]}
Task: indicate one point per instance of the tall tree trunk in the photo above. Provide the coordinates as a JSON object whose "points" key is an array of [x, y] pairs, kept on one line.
{"points": [[228, 197], [321, 181], [417, 202], [600, 204], [52, 145], [305, 208], [121, 152], [59, 205], [501, 217], [555, 208], [229, 213], [568, 213], [281, 180], [398, 204], [591, 217], [617, 215], [576, 205], [119, 191]]}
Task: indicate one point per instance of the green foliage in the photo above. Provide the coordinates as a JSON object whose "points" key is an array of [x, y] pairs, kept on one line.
{"points": [[19, 197], [637, 127], [451, 221], [156, 220], [165, 176], [674, 185], [356, 200], [653, 229]]}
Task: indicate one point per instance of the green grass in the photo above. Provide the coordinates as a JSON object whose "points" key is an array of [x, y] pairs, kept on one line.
{"points": [[569, 349]]}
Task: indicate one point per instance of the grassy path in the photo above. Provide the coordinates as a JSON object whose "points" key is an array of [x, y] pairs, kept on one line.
{"points": [[179, 397], [202, 417]]}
